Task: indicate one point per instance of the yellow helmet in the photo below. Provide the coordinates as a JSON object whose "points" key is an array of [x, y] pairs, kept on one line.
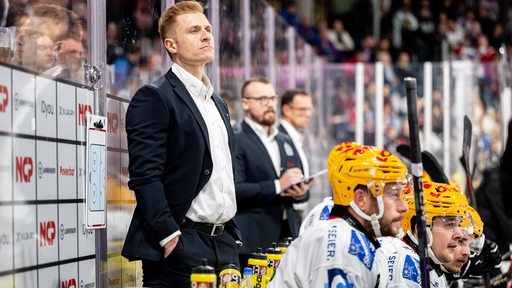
{"points": [[351, 164], [478, 225], [440, 200]]}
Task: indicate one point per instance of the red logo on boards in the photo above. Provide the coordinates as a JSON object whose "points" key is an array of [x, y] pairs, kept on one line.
{"points": [[82, 111], [47, 232], [113, 122], [71, 283], [24, 169], [4, 98]]}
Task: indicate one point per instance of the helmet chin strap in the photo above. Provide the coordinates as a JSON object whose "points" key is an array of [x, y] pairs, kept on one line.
{"points": [[374, 218], [429, 245], [429, 235]]}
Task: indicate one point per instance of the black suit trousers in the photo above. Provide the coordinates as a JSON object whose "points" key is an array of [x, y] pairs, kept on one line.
{"points": [[193, 246]]}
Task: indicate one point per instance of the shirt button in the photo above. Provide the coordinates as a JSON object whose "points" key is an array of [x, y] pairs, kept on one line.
{"points": [[206, 172]]}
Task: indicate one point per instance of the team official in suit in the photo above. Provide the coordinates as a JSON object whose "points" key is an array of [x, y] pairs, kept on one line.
{"points": [[267, 166], [296, 111], [181, 169]]}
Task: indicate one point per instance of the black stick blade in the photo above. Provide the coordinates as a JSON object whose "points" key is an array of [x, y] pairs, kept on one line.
{"points": [[433, 168]]}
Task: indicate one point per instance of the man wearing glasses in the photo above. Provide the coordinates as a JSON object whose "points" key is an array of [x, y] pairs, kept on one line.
{"points": [[296, 111], [268, 166]]}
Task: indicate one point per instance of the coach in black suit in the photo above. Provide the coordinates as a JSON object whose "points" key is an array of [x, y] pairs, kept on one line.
{"points": [[267, 166], [181, 169]]}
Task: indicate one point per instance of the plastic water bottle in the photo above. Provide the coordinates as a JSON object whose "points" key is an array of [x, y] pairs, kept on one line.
{"points": [[258, 263], [203, 276], [230, 277], [247, 278], [283, 245], [274, 256]]}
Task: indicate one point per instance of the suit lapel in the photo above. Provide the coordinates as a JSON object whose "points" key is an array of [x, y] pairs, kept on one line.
{"points": [[262, 150], [182, 92], [225, 118]]}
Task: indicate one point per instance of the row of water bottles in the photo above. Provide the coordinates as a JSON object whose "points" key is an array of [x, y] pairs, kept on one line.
{"points": [[261, 267]]}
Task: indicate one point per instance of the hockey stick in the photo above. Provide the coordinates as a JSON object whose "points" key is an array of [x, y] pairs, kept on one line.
{"points": [[430, 163], [433, 168], [417, 174], [464, 159]]}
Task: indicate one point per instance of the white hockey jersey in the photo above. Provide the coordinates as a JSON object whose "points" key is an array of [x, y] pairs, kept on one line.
{"points": [[320, 212], [400, 266], [331, 253]]}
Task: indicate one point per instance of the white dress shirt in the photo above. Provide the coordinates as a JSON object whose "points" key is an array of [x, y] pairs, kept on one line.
{"points": [[216, 202]]}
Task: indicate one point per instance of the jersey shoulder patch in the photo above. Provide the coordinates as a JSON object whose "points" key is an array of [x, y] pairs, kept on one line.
{"points": [[411, 269], [362, 248]]}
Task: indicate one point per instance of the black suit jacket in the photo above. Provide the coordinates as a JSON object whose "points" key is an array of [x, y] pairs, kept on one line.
{"points": [[283, 130], [170, 161], [259, 209]]}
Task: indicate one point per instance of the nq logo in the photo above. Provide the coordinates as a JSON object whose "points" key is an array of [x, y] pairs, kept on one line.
{"points": [[4, 98]]}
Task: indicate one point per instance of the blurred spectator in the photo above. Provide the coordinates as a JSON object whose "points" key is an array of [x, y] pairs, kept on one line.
{"points": [[324, 47], [454, 33], [485, 52], [403, 67], [405, 25], [426, 31], [341, 39], [487, 15], [127, 65], [308, 31], [366, 48], [289, 13], [390, 77], [114, 49], [497, 37]]}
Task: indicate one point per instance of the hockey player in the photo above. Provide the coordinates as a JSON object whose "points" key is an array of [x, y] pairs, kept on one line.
{"points": [[474, 255], [319, 213], [445, 208], [341, 252]]}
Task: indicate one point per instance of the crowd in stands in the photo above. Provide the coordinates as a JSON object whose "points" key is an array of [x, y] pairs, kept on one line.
{"points": [[472, 30]]}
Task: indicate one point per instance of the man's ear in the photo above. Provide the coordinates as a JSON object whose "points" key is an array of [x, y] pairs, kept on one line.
{"points": [[170, 45], [361, 199], [286, 109]]}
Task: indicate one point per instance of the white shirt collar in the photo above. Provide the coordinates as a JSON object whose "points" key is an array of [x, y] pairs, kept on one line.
{"points": [[260, 130], [292, 132], [198, 88]]}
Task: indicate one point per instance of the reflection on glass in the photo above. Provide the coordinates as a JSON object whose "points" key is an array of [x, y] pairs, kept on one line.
{"points": [[50, 39]]}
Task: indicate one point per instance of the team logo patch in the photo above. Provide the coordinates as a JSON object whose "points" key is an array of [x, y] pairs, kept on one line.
{"points": [[362, 248], [288, 150], [338, 279], [324, 214], [411, 269]]}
